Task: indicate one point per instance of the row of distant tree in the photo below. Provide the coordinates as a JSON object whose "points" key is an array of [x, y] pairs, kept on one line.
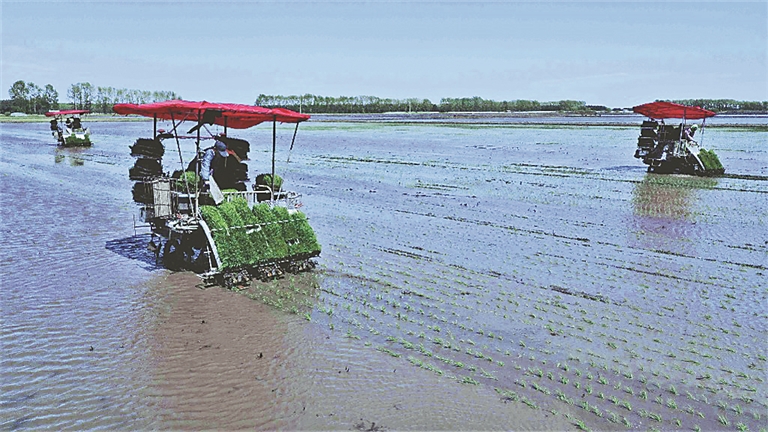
{"points": [[309, 103], [27, 97], [726, 105], [30, 98]]}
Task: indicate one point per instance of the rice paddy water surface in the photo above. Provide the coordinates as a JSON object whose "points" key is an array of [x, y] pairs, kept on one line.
{"points": [[473, 276]]}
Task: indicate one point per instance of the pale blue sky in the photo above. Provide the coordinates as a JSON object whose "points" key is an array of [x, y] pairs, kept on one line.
{"points": [[616, 53]]}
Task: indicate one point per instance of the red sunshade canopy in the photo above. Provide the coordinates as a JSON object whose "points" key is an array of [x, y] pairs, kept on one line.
{"points": [[662, 110], [66, 112], [236, 116]]}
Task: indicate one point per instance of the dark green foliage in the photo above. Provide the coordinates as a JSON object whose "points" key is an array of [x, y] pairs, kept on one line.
{"points": [[711, 162], [266, 180], [259, 235], [187, 179], [271, 230], [74, 141]]}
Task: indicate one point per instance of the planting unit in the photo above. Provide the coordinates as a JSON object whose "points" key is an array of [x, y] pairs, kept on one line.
{"points": [[225, 236], [666, 149], [70, 133]]}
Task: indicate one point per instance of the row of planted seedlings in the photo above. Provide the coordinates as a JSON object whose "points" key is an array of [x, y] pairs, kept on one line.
{"points": [[616, 400], [629, 360], [413, 320], [431, 293], [687, 369]]}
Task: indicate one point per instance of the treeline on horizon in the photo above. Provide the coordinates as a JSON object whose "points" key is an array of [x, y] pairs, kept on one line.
{"points": [[29, 98], [309, 104]]}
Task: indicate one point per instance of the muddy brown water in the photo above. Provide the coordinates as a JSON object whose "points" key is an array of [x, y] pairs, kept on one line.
{"points": [[473, 276]]}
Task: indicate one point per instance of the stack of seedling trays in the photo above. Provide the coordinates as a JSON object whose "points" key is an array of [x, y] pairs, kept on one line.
{"points": [[264, 184], [647, 140], [74, 141], [239, 170], [712, 165], [149, 156], [261, 237]]}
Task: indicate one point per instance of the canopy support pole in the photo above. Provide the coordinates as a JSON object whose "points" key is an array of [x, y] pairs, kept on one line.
{"points": [[701, 139], [293, 140], [154, 130], [199, 163], [178, 146], [274, 146], [225, 125], [683, 127]]}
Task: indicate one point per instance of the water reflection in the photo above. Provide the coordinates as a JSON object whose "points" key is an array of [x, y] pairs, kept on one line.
{"points": [[667, 196], [662, 209], [135, 248], [73, 155]]}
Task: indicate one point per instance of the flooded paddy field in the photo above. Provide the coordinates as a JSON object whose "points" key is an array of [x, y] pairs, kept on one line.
{"points": [[473, 276]]}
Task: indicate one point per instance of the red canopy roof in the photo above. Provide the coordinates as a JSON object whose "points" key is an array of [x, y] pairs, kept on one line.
{"points": [[662, 110], [236, 116], [66, 112]]}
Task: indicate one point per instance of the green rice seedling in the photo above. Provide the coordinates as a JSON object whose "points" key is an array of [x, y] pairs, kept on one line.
{"points": [[540, 388], [388, 351], [673, 390], [626, 405], [469, 380], [600, 395], [562, 397], [612, 416], [696, 428], [742, 427], [588, 389], [723, 420], [507, 395], [626, 422], [671, 403], [580, 425], [528, 402]]}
